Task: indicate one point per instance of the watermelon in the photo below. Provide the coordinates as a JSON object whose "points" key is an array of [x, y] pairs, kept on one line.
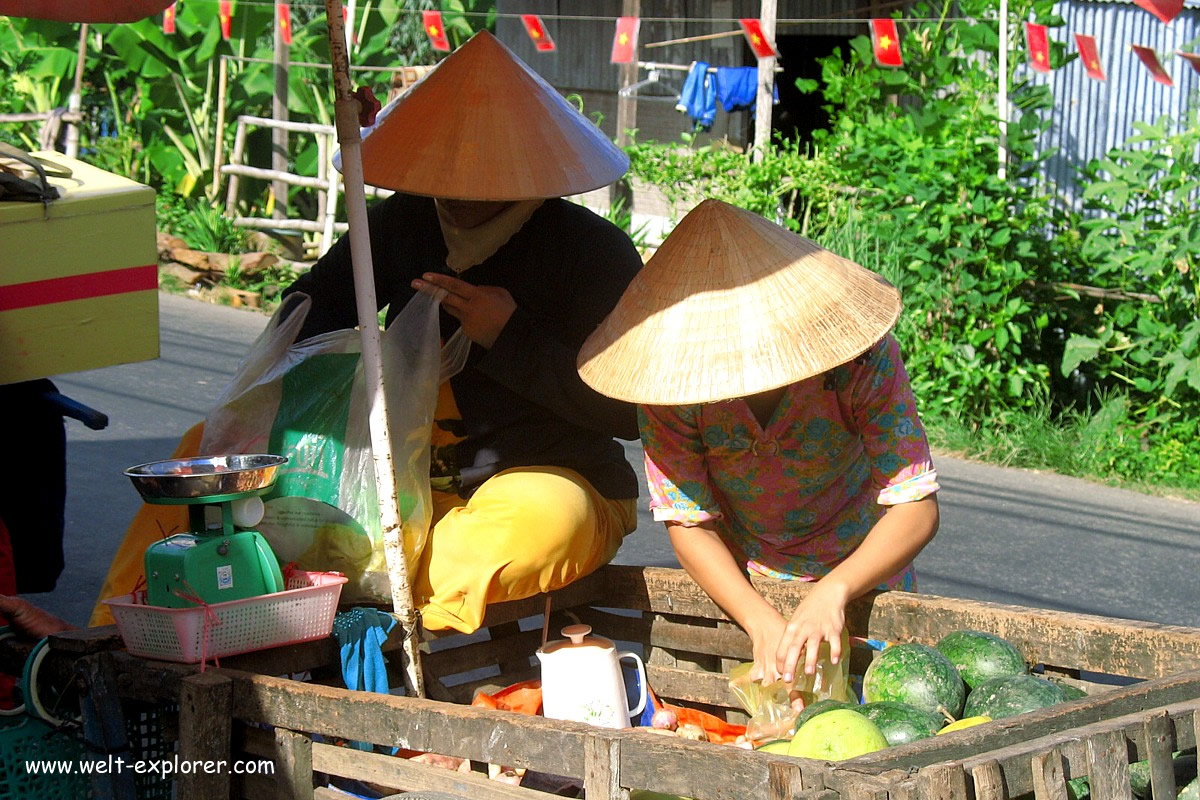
{"points": [[1191, 791], [978, 655], [1184, 764], [820, 707], [1078, 788], [1010, 695], [1071, 691], [900, 722], [918, 675]]}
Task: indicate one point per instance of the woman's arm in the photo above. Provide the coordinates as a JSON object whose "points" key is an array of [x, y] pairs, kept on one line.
{"points": [[890, 546], [706, 558]]}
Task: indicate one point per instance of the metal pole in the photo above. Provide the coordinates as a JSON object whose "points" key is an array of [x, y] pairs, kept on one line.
{"points": [[1002, 94], [75, 103], [621, 190], [346, 108], [766, 86]]}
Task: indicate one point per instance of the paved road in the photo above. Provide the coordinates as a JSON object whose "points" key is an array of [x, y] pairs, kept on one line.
{"points": [[1009, 536]]}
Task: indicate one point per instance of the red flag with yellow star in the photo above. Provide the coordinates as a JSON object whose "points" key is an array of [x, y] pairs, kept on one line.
{"points": [[1150, 59], [1090, 56], [537, 32], [1165, 10], [225, 13], [759, 43], [1039, 46], [285, 22], [887, 43], [625, 40], [169, 19], [435, 30]]}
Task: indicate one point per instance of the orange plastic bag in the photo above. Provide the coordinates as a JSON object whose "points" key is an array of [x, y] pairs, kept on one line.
{"points": [[523, 698]]}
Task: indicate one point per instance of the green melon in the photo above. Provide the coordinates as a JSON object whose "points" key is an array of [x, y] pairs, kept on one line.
{"points": [[820, 707], [918, 675], [1070, 690], [1079, 788], [1191, 791], [978, 656], [1010, 695], [1184, 764], [900, 722]]}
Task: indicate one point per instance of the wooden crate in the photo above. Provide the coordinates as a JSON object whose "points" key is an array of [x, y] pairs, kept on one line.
{"points": [[689, 643]]}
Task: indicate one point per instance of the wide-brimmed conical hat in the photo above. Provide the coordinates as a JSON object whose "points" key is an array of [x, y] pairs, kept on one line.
{"points": [[732, 305], [484, 126]]}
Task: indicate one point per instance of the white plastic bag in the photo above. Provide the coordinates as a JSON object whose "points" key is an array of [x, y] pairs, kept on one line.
{"points": [[307, 401]]}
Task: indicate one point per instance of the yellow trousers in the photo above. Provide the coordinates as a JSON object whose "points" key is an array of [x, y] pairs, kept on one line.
{"points": [[524, 531]]}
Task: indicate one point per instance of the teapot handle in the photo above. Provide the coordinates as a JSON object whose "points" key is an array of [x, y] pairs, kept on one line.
{"points": [[642, 685]]}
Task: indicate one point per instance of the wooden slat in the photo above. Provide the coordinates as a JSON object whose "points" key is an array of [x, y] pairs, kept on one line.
{"points": [[455, 660], [784, 781], [1108, 765], [942, 782], [85, 641], [1019, 729], [403, 774], [1049, 782], [205, 703], [989, 781], [1071, 744], [295, 765], [1159, 746], [692, 686], [602, 766]]}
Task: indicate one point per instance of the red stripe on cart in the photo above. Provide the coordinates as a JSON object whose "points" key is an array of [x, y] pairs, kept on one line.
{"points": [[78, 287]]}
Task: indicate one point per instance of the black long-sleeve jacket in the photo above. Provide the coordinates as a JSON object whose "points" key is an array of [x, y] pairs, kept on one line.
{"points": [[522, 401]]}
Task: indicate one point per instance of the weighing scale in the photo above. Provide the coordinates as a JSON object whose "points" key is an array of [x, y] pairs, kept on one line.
{"points": [[221, 557]]}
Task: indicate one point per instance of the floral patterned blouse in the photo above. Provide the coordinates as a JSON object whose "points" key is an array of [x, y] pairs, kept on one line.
{"points": [[796, 498]]}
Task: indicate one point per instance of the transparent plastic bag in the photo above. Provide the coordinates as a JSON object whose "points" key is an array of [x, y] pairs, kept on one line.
{"points": [[772, 715], [307, 400]]}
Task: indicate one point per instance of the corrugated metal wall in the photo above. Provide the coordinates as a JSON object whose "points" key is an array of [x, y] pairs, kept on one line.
{"points": [[1091, 117]]}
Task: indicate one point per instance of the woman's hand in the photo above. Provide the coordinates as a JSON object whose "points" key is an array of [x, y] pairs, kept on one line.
{"points": [[819, 618], [482, 310], [766, 632]]}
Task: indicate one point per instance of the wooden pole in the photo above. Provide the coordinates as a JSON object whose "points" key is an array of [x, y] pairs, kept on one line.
{"points": [[621, 191], [219, 149], [1002, 94], [75, 103], [346, 108], [766, 85], [279, 110]]}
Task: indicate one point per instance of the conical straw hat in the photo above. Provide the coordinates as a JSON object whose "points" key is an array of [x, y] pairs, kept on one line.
{"points": [[484, 126], [732, 305]]}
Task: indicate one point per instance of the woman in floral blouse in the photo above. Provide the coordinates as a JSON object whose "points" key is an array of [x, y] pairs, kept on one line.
{"points": [[780, 431]]}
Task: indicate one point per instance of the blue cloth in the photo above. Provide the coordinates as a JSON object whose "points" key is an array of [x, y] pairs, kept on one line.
{"points": [[360, 634], [737, 87], [699, 96]]}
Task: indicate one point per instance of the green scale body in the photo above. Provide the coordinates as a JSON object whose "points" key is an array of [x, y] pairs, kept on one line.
{"points": [[212, 563]]}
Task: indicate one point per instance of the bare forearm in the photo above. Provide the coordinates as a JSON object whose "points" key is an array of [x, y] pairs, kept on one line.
{"points": [[889, 547], [706, 558]]}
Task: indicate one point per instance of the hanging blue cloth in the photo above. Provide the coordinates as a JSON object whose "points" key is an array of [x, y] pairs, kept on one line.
{"points": [[360, 634], [737, 87], [699, 96]]}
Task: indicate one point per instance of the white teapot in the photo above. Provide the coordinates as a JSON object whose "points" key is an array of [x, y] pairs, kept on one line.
{"points": [[581, 680]]}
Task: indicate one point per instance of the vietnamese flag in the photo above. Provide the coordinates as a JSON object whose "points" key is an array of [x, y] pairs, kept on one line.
{"points": [[226, 15], [1165, 10], [1090, 56], [625, 40], [1039, 46], [435, 30], [887, 43], [759, 43], [537, 32], [1149, 58], [285, 22], [169, 19]]}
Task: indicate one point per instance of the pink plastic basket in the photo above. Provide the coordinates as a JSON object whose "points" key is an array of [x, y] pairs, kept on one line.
{"points": [[302, 613]]}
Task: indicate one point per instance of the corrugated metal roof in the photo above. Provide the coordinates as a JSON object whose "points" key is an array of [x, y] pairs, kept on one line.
{"points": [[1091, 117]]}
